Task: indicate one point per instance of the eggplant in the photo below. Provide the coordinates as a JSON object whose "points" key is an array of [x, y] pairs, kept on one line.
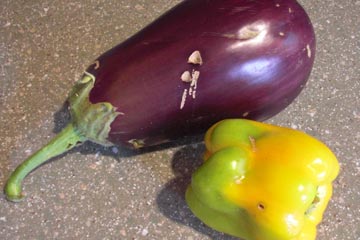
{"points": [[201, 62]]}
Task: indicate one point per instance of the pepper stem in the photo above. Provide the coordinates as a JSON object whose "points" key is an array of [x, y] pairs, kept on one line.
{"points": [[68, 138]]}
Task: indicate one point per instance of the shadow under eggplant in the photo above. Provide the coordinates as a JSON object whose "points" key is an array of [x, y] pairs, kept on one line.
{"points": [[62, 117], [171, 199]]}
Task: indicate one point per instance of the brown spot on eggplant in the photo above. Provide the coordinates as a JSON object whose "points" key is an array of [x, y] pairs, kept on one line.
{"points": [[96, 64], [186, 76], [195, 58], [183, 99], [245, 114], [194, 78], [193, 86], [308, 50], [137, 143], [245, 33]]}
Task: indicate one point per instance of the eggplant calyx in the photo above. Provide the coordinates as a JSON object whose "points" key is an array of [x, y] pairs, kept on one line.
{"points": [[91, 120]]}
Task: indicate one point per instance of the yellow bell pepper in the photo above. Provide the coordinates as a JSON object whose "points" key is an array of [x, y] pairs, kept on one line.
{"points": [[262, 182]]}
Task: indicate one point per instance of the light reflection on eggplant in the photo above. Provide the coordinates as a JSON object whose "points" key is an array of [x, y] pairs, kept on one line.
{"points": [[258, 71]]}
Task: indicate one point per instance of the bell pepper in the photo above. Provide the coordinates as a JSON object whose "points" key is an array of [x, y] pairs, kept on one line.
{"points": [[262, 182]]}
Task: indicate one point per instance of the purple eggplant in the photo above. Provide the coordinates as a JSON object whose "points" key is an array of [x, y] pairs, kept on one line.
{"points": [[203, 61]]}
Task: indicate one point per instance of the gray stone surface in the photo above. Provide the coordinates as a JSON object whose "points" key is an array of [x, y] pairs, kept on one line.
{"points": [[110, 193]]}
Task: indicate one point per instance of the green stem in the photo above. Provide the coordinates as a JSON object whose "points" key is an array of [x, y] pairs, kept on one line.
{"points": [[89, 122], [63, 142]]}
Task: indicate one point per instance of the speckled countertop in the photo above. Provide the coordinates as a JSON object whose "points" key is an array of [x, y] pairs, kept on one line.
{"points": [[111, 193]]}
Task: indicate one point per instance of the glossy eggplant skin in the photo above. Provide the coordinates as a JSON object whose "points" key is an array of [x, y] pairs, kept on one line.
{"points": [[256, 58]]}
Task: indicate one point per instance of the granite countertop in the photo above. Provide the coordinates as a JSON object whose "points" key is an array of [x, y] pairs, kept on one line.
{"points": [[95, 192]]}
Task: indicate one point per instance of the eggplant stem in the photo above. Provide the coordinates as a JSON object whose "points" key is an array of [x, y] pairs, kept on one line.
{"points": [[68, 138], [89, 122]]}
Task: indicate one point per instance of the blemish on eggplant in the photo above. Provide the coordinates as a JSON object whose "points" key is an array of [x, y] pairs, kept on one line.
{"points": [[194, 94], [137, 143], [308, 49], [245, 114], [195, 76], [183, 99], [195, 58], [96, 64], [186, 77], [228, 35], [247, 33], [192, 78]]}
